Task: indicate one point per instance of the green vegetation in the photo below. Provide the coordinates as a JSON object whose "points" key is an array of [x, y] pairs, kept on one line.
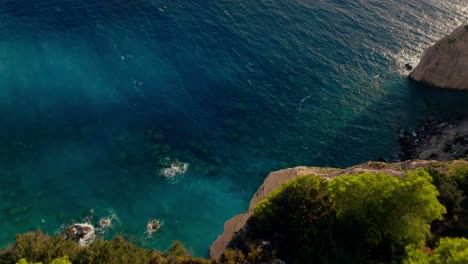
{"points": [[453, 188], [466, 27], [420, 217], [293, 217], [35, 247], [384, 212], [363, 218], [62, 260], [450, 250]]}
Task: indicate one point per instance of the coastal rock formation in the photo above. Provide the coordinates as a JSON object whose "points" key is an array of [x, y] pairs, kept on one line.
{"points": [[277, 178], [445, 64], [435, 139], [153, 226], [83, 234], [105, 223]]}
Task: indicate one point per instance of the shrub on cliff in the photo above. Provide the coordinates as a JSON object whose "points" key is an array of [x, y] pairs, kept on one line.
{"points": [[450, 250], [63, 260], [453, 189], [352, 219], [36, 247], [294, 216], [385, 213]]}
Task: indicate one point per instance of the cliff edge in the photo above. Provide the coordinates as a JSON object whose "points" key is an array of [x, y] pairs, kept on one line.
{"points": [[445, 64], [277, 178]]}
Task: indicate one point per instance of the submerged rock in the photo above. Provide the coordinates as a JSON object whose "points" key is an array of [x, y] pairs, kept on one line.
{"points": [[174, 171], [83, 234], [105, 223], [445, 64], [17, 210]]}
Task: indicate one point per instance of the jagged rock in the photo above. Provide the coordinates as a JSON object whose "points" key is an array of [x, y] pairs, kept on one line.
{"points": [[445, 64], [408, 67], [153, 226], [83, 234]]}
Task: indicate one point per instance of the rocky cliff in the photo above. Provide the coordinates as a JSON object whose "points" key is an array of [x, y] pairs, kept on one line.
{"points": [[277, 178], [445, 64]]}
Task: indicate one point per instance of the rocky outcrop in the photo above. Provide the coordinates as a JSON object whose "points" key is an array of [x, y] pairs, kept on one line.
{"points": [[445, 64], [435, 139], [277, 178], [153, 226], [83, 234]]}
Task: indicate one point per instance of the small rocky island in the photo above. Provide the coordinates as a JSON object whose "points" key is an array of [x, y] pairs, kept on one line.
{"points": [[445, 64]]}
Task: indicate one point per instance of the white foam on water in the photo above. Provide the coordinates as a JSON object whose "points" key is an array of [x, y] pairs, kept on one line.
{"points": [[175, 171], [404, 57], [101, 221], [302, 101], [82, 233], [152, 227], [107, 222]]}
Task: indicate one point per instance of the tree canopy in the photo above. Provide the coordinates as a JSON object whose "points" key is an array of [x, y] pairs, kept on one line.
{"points": [[352, 218], [449, 251]]}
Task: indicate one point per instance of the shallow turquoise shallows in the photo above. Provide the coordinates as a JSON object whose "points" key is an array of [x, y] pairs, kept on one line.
{"points": [[177, 110]]}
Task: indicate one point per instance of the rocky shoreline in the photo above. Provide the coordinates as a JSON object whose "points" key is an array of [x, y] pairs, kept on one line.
{"points": [[435, 139], [434, 143]]}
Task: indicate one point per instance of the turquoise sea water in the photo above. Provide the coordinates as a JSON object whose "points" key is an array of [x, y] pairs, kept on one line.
{"points": [[98, 97]]}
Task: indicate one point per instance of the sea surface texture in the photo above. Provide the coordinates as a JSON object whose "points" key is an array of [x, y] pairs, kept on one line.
{"points": [[177, 110]]}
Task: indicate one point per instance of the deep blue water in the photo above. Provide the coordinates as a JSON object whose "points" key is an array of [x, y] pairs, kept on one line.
{"points": [[97, 96]]}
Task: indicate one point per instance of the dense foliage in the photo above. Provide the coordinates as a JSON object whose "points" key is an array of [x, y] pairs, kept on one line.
{"points": [[303, 209], [363, 218], [450, 250], [35, 247], [62, 260], [386, 213], [453, 188]]}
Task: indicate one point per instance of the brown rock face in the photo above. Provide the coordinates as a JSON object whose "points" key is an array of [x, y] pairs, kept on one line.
{"points": [[445, 64]]}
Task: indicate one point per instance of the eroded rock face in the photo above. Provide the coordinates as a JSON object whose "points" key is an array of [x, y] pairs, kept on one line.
{"points": [[445, 64], [83, 234], [277, 178]]}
